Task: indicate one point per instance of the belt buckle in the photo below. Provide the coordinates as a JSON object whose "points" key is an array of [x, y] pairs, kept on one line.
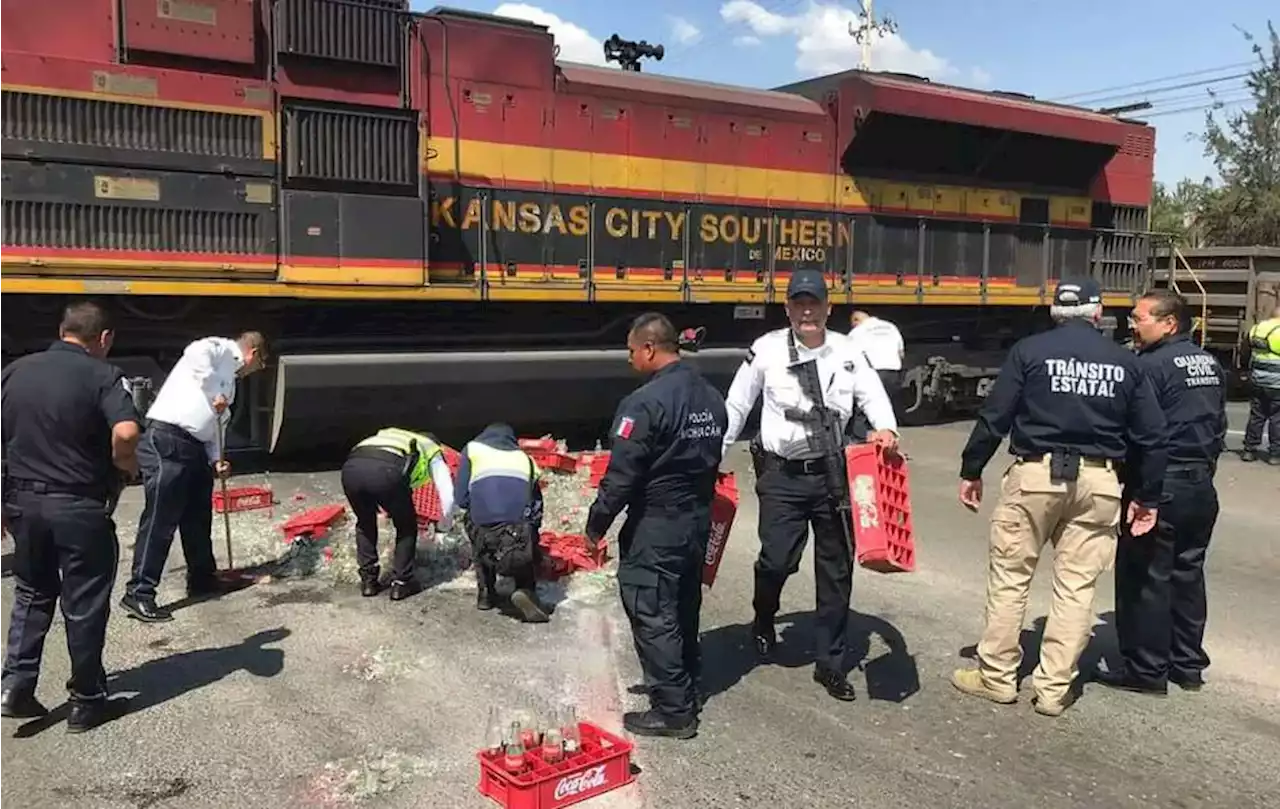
{"points": [[809, 466]]}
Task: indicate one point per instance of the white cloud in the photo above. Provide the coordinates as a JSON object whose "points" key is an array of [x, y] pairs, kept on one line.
{"points": [[747, 41], [683, 31], [823, 44], [576, 43]]}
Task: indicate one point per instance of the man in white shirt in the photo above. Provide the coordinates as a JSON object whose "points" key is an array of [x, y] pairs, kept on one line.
{"points": [[791, 466], [881, 344], [179, 455]]}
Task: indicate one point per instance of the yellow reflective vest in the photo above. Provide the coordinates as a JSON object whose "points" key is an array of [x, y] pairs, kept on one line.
{"points": [[489, 462], [404, 442], [1264, 358]]}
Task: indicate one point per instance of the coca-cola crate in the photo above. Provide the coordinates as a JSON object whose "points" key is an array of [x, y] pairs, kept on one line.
{"points": [[314, 523], [542, 444], [563, 554], [880, 499], [242, 498], [553, 460], [426, 500], [723, 510], [603, 764], [597, 462]]}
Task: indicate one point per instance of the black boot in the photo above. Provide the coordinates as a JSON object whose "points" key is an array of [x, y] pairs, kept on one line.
{"points": [[766, 640], [526, 601], [206, 586], [369, 585], [21, 703], [652, 723], [88, 715], [486, 582], [1123, 681], [145, 610], [403, 589], [837, 684]]}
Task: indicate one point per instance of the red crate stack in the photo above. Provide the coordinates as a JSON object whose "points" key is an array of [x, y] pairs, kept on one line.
{"points": [[880, 499], [426, 500], [603, 764], [242, 498]]}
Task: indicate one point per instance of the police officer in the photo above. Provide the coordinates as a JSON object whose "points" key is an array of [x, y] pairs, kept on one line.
{"points": [[1264, 401], [1160, 592], [179, 456], [881, 343], [791, 465], [382, 471], [663, 467], [498, 487], [1075, 404], [70, 430]]}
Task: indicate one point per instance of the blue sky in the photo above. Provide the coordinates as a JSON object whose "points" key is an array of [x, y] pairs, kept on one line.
{"points": [[1076, 52]]}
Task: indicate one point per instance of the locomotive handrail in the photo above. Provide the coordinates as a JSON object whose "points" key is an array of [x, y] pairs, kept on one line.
{"points": [[1204, 295]]}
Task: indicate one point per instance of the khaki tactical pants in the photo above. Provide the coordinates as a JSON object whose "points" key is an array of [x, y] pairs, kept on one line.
{"points": [[1079, 519]]}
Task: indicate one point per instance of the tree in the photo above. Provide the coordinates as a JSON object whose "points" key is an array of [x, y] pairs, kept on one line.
{"points": [[1245, 209], [1178, 212]]}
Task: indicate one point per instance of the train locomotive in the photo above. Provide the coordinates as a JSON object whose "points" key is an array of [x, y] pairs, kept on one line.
{"points": [[438, 223]]}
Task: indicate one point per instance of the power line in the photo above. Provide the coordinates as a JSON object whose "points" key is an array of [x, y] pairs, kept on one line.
{"points": [[1197, 108], [1145, 94], [1157, 80]]}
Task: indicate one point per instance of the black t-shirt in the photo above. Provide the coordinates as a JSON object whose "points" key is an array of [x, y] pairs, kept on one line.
{"points": [[58, 410]]}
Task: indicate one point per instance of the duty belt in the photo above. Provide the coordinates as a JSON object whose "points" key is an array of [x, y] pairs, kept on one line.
{"points": [[796, 466], [85, 490], [1101, 463]]}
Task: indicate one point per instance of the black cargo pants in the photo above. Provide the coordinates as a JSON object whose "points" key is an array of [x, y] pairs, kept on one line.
{"points": [[373, 479], [1161, 608], [177, 483], [66, 548], [485, 540], [793, 495], [1264, 413], [660, 579]]}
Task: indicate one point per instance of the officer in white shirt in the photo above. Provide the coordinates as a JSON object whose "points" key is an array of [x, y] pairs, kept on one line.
{"points": [[179, 457], [881, 344], [790, 466]]}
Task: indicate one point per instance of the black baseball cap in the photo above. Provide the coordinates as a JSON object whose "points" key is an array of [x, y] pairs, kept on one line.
{"points": [[807, 282], [1077, 292]]}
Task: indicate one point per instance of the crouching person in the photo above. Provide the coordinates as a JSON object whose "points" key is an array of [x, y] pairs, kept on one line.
{"points": [[498, 487], [382, 471]]}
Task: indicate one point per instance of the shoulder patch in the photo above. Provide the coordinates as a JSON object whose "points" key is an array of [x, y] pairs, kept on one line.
{"points": [[127, 385], [625, 426]]}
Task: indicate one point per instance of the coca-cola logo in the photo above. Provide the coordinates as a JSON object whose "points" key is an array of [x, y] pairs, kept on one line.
{"points": [[715, 541], [572, 785]]}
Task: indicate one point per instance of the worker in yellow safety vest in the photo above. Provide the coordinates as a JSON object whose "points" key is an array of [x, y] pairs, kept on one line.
{"points": [[498, 487], [382, 471], [1264, 404]]}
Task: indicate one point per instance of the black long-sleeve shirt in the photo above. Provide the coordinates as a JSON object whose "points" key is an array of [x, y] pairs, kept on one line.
{"points": [[1071, 388]]}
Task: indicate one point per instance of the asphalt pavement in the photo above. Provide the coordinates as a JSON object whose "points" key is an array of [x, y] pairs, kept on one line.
{"points": [[296, 692]]}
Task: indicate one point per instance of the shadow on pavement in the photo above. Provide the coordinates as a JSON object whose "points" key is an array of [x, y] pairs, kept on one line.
{"points": [[158, 681], [729, 654]]}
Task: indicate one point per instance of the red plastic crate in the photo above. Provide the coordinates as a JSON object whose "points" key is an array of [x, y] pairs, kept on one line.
{"points": [[553, 460], [243, 498], [602, 765], [543, 444], [723, 510], [597, 462], [880, 497], [426, 500], [316, 522], [565, 553]]}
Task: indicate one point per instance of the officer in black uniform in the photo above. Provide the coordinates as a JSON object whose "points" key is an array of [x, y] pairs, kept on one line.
{"points": [[666, 452], [1075, 405], [1160, 592], [70, 431]]}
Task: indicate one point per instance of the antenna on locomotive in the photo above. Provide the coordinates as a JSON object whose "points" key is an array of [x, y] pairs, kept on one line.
{"points": [[628, 54]]}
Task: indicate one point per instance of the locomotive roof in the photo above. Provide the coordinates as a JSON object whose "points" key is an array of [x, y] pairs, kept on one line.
{"points": [[615, 79]]}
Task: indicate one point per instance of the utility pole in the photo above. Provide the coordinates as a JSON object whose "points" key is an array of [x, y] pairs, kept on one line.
{"points": [[868, 27]]}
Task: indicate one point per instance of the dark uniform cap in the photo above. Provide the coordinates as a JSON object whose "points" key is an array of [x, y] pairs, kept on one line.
{"points": [[1077, 292], [807, 282]]}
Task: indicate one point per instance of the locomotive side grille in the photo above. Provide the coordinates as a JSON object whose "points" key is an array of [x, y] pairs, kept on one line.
{"points": [[80, 226]]}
